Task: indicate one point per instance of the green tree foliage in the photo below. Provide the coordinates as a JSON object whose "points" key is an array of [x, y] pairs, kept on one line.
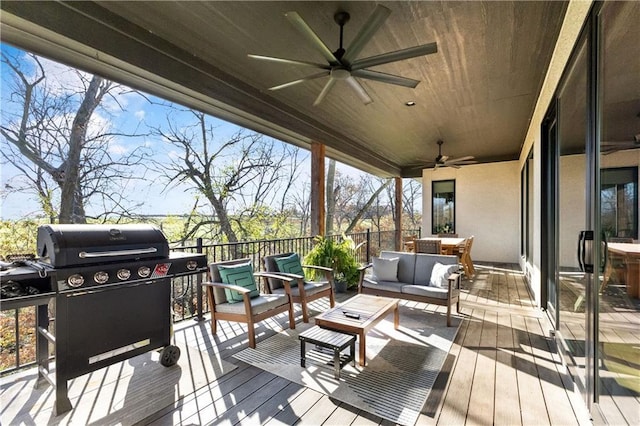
{"points": [[335, 254], [18, 237]]}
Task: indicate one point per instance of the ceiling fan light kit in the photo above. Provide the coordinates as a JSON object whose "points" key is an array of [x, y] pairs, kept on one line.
{"points": [[342, 64]]}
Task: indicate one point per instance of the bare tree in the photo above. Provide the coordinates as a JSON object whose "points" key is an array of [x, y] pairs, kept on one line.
{"points": [[53, 137], [238, 177], [411, 195], [332, 193], [348, 200]]}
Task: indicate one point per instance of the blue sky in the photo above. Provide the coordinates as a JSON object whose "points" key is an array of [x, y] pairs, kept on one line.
{"points": [[139, 114]]}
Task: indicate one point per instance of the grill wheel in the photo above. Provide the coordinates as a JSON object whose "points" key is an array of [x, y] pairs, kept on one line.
{"points": [[169, 355]]}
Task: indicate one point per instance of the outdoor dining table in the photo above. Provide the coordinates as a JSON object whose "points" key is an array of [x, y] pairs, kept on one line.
{"points": [[630, 253], [449, 245]]}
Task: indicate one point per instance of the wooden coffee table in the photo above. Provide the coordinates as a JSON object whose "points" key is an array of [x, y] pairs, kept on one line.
{"points": [[358, 315]]}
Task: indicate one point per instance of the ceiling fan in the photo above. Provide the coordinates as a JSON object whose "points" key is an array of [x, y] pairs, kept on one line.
{"points": [[444, 161], [609, 147], [343, 63]]}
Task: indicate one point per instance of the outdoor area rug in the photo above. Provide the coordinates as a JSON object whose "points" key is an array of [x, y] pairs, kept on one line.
{"points": [[123, 393], [402, 365]]}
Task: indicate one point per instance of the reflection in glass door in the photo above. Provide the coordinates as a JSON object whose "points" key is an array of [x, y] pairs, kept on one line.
{"points": [[618, 348], [572, 217]]}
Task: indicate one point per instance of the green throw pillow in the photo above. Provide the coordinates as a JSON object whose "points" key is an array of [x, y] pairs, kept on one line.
{"points": [[241, 275], [290, 265]]}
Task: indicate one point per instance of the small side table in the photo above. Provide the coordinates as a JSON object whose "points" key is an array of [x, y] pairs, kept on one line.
{"points": [[329, 339]]}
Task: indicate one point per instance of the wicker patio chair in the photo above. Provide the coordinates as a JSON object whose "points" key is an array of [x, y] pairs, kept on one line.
{"points": [[428, 246]]}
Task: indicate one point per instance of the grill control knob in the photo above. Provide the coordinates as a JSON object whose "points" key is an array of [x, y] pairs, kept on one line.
{"points": [[101, 277], [123, 274], [144, 271], [75, 280], [192, 265]]}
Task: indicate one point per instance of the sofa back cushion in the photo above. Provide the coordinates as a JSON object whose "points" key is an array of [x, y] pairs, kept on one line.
{"points": [[425, 263], [406, 264]]}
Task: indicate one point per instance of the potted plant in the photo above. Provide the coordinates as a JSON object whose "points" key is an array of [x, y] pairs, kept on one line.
{"points": [[338, 255]]}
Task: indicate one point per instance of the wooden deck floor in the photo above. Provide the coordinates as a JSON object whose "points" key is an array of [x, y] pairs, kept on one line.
{"points": [[502, 369]]}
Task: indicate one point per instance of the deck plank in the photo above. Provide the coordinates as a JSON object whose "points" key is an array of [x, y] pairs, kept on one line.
{"points": [[455, 411], [294, 412], [507, 408], [481, 401], [534, 409]]}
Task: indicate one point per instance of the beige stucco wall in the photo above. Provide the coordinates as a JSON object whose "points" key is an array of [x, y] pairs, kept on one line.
{"points": [[487, 207]]}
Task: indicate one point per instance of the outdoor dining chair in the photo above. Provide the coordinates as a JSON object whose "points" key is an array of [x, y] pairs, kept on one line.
{"points": [[428, 246], [464, 255]]}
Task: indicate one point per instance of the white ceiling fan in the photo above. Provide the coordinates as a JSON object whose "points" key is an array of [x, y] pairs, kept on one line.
{"points": [[343, 63]]}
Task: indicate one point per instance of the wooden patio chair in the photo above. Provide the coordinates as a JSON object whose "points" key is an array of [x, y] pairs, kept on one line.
{"points": [[243, 302], [408, 242], [302, 291], [464, 255], [616, 264], [428, 246]]}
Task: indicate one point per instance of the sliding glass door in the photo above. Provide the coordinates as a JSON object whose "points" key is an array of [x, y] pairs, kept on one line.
{"points": [[592, 150], [570, 295], [618, 291]]}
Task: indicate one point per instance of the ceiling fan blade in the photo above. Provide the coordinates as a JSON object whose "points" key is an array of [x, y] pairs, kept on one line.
{"points": [[374, 22], [289, 61], [325, 90], [398, 55], [296, 20], [386, 78], [360, 90], [629, 143], [459, 159], [455, 166], [307, 78]]}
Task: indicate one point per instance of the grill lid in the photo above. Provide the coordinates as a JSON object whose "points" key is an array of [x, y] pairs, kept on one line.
{"points": [[79, 244]]}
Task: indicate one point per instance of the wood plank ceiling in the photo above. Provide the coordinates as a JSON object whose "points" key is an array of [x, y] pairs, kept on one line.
{"points": [[476, 93]]}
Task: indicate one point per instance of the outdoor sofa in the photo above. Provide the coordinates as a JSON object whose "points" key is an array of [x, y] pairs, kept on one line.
{"points": [[420, 277]]}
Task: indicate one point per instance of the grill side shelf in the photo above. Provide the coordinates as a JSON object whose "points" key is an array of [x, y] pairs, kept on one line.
{"points": [[23, 278]]}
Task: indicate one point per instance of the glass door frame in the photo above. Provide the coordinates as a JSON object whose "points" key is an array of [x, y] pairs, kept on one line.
{"points": [[550, 207]]}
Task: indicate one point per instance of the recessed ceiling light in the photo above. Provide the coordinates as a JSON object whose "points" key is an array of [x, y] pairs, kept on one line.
{"points": [[410, 103]]}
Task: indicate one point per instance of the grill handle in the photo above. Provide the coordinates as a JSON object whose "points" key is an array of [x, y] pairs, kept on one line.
{"points": [[84, 254]]}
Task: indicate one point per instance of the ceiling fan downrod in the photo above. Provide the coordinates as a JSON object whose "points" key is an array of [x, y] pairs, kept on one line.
{"points": [[341, 18]]}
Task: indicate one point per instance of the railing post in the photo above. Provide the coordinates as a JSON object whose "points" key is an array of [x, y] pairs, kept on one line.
{"points": [[199, 316], [368, 245]]}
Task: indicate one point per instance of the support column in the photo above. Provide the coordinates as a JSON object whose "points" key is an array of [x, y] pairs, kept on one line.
{"points": [[317, 189], [398, 213]]}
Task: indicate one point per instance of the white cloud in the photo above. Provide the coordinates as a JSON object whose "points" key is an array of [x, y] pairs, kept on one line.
{"points": [[140, 114], [116, 148]]}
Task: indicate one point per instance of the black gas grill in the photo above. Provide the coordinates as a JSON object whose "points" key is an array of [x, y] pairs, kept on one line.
{"points": [[112, 291]]}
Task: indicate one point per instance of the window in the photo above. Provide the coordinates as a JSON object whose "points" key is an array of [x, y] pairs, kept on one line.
{"points": [[619, 202], [443, 207]]}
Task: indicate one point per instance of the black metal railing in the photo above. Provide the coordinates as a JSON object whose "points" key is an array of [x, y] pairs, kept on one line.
{"points": [[17, 338]]}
